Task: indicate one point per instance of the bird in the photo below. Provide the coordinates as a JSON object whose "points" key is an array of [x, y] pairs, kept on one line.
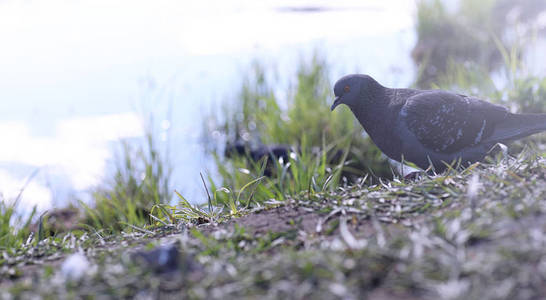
{"points": [[274, 153], [434, 129]]}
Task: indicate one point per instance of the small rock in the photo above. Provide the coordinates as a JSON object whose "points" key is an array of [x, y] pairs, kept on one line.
{"points": [[75, 266]]}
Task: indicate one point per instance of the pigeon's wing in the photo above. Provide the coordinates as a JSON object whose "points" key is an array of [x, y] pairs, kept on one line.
{"points": [[445, 122]]}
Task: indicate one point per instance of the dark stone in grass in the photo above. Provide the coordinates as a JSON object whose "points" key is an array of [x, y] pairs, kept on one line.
{"points": [[166, 259], [162, 259]]}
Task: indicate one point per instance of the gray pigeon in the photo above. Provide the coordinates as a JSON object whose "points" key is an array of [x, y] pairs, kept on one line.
{"points": [[431, 126]]}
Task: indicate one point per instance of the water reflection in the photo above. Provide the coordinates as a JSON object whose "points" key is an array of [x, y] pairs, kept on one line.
{"points": [[77, 76]]}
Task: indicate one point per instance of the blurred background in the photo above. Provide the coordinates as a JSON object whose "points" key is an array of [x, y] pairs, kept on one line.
{"points": [[105, 99]]}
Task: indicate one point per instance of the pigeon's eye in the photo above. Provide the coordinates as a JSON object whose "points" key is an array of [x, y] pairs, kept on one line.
{"points": [[347, 89]]}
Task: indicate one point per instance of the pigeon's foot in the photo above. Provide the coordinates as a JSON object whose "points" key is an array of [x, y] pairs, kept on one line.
{"points": [[413, 176]]}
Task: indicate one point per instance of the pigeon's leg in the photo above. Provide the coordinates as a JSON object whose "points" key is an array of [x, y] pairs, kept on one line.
{"points": [[404, 170]]}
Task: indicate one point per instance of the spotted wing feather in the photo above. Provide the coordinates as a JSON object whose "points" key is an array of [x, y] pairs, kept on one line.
{"points": [[446, 123]]}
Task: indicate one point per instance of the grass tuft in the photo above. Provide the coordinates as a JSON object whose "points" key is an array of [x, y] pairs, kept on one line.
{"points": [[141, 181]]}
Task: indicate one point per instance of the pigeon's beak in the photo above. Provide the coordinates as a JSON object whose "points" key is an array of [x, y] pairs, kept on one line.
{"points": [[337, 101]]}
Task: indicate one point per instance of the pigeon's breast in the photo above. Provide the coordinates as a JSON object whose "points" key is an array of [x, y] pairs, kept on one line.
{"points": [[382, 128]]}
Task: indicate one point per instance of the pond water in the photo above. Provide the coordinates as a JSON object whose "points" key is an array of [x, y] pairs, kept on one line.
{"points": [[77, 76]]}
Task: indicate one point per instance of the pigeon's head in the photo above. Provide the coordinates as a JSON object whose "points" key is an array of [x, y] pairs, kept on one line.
{"points": [[349, 88]]}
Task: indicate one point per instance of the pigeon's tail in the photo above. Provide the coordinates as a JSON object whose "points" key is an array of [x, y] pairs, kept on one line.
{"points": [[517, 126]]}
